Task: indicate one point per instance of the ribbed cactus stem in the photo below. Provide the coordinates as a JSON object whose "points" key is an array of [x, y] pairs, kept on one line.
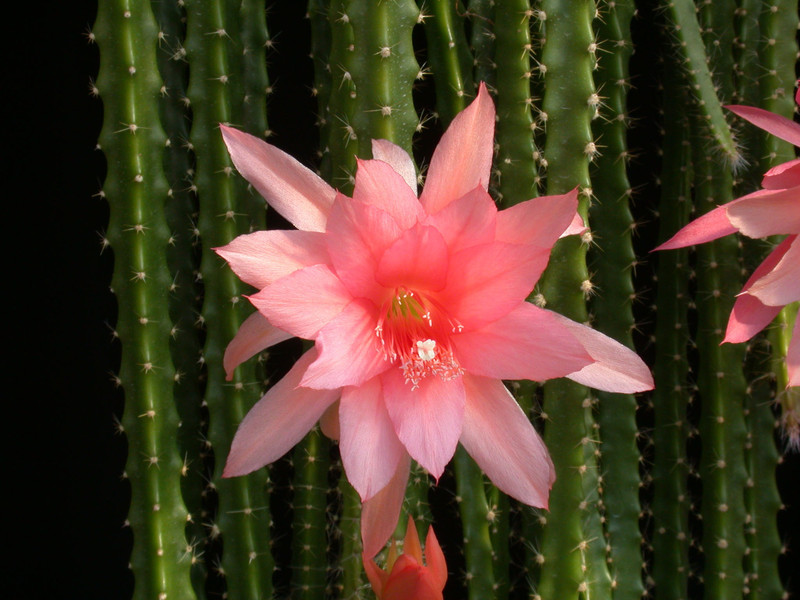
{"points": [[384, 70], [474, 510], [351, 579], [685, 26], [612, 265], [217, 90], [515, 163], [136, 189], [720, 378], [449, 56], [482, 40], [573, 537], [671, 535], [310, 504]]}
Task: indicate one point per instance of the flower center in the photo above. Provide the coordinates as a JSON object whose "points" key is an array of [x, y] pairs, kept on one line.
{"points": [[415, 332]]}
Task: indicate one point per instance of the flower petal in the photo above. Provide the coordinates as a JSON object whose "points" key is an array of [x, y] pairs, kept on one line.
{"points": [[380, 513], [468, 221], [278, 421], [411, 544], [409, 581], [486, 282], [540, 221], [303, 302], [749, 315], [379, 185], [329, 422], [527, 343], [617, 368], [781, 285], [712, 225], [262, 257], [793, 355], [297, 193], [427, 419], [782, 176], [770, 122], [358, 235], [766, 212], [399, 160], [369, 446], [254, 335], [417, 259], [348, 349], [434, 559], [463, 158], [576, 227], [501, 439]]}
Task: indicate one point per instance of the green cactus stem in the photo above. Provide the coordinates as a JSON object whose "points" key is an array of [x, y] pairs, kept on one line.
{"points": [[136, 190]]}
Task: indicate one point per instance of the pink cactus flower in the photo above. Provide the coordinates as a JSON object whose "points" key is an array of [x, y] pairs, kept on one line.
{"points": [[417, 310], [406, 577], [773, 210]]}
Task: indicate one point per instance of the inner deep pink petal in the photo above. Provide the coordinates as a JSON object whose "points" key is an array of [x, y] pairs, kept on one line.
{"points": [[468, 221], [398, 159], [527, 343], [262, 257], [501, 439], [358, 235], [463, 158], [379, 185], [766, 212], [712, 225], [254, 335], [781, 285], [380, 513], [783, 176], [369, 446], [348, 349], [304, 301], [278, 421], [417, 259], [749, 315], [770, 122], [540, 221], [296, 192], [486, 282], [427, 419]]}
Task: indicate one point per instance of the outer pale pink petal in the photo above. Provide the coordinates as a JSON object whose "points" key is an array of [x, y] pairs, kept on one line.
{"points": [[501, 439], [303, 302], [770, 122], [262, 257], [369, 446], [348, 349], [540, 221], [712, 225], [358, 235], [379, 185], [463, 158], [380, 513], [527, 343], [749, 314], [781, 285], [782, 176], [766, 212], [329, 422], [428, 419], [254, 335], [278, 421], [793, 355], [486, 282], [468, 221], [297, 193], [576, 227], [399, 160], [434, 559], [617, 368], [418, 259]]}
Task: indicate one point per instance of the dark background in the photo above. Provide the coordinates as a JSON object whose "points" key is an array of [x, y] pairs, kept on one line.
{"points": [[66, 503]]}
